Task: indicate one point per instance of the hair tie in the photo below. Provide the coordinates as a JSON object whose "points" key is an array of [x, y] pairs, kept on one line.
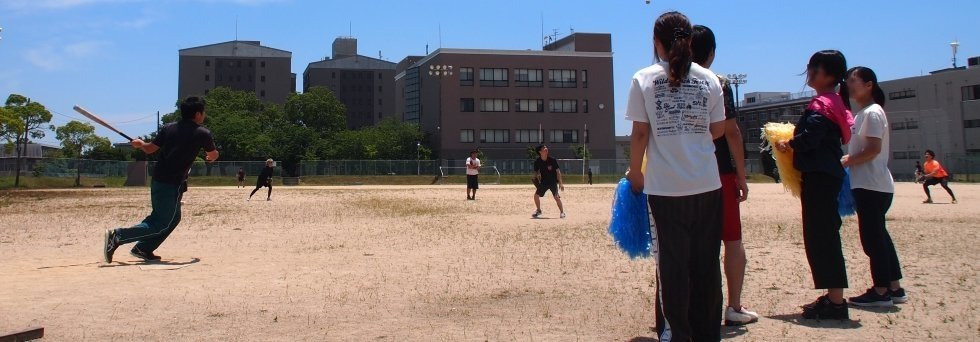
{"points": [[680, 33]]}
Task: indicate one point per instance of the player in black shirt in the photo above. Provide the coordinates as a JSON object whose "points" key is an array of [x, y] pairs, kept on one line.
{"points": [[176, 146], [264, 179], [547, 176]]}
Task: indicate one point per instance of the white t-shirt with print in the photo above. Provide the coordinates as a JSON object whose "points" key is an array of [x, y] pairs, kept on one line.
{"points": [[476, 162], [871, 122], [680, 154]]}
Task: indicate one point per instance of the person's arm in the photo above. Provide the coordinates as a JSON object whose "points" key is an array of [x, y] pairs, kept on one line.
{"points": [[148, 148], [733, 135], [870, 151], [815, 128]]}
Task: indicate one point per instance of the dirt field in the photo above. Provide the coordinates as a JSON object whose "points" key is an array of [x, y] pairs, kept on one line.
{"points": [[423, 264]]}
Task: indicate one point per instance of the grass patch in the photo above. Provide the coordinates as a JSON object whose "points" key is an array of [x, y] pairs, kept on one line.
{"points": [[396, 208], [31, 182]]}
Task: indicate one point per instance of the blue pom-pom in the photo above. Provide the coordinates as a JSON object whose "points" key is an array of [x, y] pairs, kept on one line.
{"points": [[845, 200], [630, 223]]}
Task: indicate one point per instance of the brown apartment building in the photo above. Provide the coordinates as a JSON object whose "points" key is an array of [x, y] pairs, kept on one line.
{"points": [[239, 65], [503, 101], [365, 85]]}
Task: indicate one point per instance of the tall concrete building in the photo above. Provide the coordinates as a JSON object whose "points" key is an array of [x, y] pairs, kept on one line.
{"points": [[939, 111], [239, 65], [365, 85], [502, 101]]}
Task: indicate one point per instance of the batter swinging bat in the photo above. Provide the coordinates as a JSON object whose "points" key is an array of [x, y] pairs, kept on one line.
{"points": [[100, 121]]}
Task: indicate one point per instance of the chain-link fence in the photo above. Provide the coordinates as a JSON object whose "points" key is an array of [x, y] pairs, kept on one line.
{"points": [[64, 168], [367, 167], [963, 167]]}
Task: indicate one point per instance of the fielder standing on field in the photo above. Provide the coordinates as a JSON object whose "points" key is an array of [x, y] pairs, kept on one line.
{"points": [[473, 165], [176, 146]]}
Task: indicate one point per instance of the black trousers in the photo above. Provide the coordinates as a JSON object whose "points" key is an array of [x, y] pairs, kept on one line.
{"points": [[871, 208], [821, 230], [943, 182], [688, 269], [259, 186]]}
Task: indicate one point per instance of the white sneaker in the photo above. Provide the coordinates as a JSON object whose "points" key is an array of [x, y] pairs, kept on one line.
{"points": [[562, 215], [537, 213], [739, 317]]}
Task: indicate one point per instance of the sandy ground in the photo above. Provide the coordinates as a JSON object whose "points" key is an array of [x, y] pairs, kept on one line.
{"points": [[422, 264]]}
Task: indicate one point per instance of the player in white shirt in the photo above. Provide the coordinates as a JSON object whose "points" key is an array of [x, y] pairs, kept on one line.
{"points": [[472, 175], [873, 188], [677, 111]]}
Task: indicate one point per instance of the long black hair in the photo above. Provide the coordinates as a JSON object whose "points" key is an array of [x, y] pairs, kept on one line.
{"points": [[702, 44], [834, 64], [868, 75], [673, 31]]}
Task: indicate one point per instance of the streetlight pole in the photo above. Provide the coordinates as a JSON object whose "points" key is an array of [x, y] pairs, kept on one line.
{"points": [[440, 71], [418, 158], [736, 80]]}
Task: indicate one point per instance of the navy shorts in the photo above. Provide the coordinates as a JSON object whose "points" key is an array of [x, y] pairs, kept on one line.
{"points": [[543, 188]]}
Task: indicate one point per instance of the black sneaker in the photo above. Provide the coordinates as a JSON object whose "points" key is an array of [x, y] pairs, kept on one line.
{"points": [[872, 298], [136, 252], [111, 243], [898, 296], [823, 308]]}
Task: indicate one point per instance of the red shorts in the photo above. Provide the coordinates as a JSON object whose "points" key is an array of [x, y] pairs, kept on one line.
{"points": [[731, 229]]}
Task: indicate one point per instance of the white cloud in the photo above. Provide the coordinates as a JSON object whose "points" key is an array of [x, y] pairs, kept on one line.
{"points": [[51, 57]]}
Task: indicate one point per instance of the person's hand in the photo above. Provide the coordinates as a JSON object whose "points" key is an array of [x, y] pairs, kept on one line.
{"points": [[743, 189], [561, 187], [845, 161], [137, 143], [636, 180], [783, 146]]}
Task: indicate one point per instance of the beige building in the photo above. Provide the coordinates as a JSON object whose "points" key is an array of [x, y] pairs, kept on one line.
{"points": [[239, 65]]}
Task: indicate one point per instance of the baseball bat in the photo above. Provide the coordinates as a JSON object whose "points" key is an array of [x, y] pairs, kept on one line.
{"points": [[99, 120]]}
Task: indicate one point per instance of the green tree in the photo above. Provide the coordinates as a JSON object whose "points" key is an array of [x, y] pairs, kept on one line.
{"points": [[76, 138], [10, 126], [33, 117], [317, 109], [581, 152]]}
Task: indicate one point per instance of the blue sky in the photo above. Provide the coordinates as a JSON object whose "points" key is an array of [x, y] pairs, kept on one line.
{"points": [[119, 57]]}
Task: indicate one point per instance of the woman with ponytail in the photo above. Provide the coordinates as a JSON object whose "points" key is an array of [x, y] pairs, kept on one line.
{"points": [[677, 109], [816, 142], [873, 188]]}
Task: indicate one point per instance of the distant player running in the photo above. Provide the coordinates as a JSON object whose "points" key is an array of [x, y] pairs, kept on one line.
{"points": [[547, 176], [264, 179], [473, 165], [178, 144]]}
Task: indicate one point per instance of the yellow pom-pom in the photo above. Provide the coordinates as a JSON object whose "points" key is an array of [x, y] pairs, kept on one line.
{"points": [[791, 177]]}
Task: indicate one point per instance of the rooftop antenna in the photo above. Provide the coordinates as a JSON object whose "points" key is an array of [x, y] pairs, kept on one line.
{"points": [[350, 29], [440, 35], [426, 49], [542, 28], [955, 45], [236, 27]]}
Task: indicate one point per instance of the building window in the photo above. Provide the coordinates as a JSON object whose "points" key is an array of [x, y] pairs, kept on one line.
{"points": [[564, 136], [493, 105], [900, 155], [333, 74], [528, 78], [904, 94], [466, 105], [207, 77], [207, 62], [527, 136], [971, 93], [262, 93], [206, 91], [379, 102], [379, 75], [585, 106], [585, 78], [379, 89], [564, 106], [975, 123], [466, 135], [492, 77], [465, 76], [262, 64], [527, 105], [494, 136], [912, 123], [261, 78], [562, 78], [898, 126]]}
